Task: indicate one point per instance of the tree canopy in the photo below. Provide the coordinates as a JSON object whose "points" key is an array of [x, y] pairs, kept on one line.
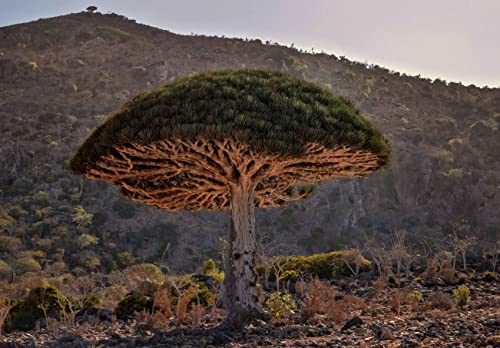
{"points": [[178, 146]]}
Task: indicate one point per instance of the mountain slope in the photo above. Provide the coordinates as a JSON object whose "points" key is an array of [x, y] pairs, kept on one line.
{"points": [[59, 77]]}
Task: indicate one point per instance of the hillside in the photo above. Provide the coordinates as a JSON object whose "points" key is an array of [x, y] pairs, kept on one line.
{"points": [[60, 77]]}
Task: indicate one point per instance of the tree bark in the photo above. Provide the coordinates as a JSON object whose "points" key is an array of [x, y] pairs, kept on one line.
{"points": [[240, 293]]}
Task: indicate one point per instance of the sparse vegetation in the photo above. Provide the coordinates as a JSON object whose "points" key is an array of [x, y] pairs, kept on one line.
{"points": [[462, 296], [397, 279]]}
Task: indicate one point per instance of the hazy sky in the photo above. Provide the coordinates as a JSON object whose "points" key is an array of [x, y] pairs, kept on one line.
{"points": [[456, 40]]}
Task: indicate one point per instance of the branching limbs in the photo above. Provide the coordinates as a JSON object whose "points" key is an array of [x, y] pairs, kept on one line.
{"points": [[195, 175]]}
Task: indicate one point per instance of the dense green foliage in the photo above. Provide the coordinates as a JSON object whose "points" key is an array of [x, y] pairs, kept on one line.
{"points": [[272, 112]]}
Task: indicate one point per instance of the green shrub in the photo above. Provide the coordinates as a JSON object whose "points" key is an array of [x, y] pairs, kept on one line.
{"points": [[289, 275], [85, 240], [81, 217], [92, 300], [320, 265], [42, 302], [418, 296], [210, 269], [41, 198], [462, 296], [132, 304], [280, 305]]}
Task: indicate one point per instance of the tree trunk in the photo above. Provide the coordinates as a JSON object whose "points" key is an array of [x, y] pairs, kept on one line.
{"points": [[464, 260], [239, 293]]}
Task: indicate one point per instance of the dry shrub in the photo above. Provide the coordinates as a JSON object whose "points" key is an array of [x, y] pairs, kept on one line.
{"points": [[83, 329], [414, 298], [196, 315], [441, 300], [404, 298], [22, 286], [162, 302], [431, 270], [53, 326], [162, 313], [447, 274], [346, 308], [319, 298], [379, 285], [337, 314], [5, 306], [261, 294], [182, 308], [442, 267], [352, 303], [301, 287], [155, 320], [216, 314], [396, 300]]}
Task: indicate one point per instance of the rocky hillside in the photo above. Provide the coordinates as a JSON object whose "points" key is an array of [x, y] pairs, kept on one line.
{"points": [[59, 77]]}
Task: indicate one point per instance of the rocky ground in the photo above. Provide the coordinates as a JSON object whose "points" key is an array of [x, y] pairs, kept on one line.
{"points": [[377, 325]]}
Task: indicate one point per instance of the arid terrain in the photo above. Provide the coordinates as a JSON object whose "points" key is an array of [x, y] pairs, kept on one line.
{"points": [[385, 317], [81, 266]]}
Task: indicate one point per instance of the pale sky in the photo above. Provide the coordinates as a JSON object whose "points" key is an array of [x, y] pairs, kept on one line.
{"points": [[455, 40]]}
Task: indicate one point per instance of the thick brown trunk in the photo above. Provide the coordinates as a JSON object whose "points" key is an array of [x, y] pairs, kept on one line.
{"points": [[240, 294]]}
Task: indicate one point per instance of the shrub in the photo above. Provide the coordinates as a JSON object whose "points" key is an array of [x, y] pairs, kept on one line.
{"points": [[6, 221], [27, 264], [318, 297], [320, 265], [210, 269], [144, 278], [132, 304], [5, 306], [399, 298], [81, 217], [462, 296], [125, 259], [41, 198], [5, 270], [42, 302], [197, 288], [280, 305], [9, 244], [86, 240], [289, 275], [441, 300]]}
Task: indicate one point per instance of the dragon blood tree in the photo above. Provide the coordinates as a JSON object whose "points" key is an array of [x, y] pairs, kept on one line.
{"points": [[231, 140]]}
